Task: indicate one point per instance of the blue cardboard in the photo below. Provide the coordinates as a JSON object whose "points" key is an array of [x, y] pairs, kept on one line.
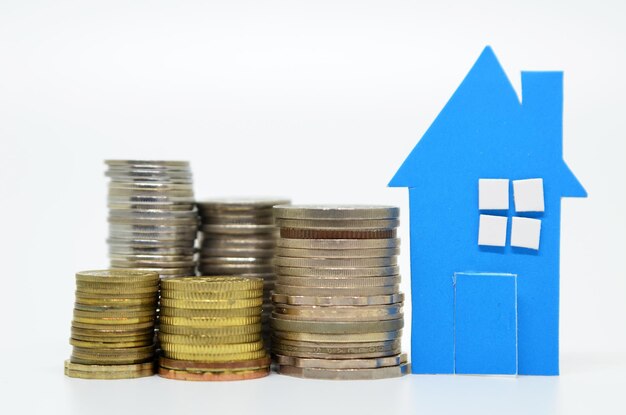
{"points": [[484, 131], [485, 324]]}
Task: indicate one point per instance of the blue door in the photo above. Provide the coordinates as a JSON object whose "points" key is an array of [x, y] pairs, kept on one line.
{"points": [[485, 323]]}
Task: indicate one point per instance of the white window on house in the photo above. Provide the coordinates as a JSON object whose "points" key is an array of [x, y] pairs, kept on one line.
{"points": [[528, 195], [492, 230], [525, 232], [493, 194]]}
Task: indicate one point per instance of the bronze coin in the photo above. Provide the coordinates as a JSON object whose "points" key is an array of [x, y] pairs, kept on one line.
{"points": [[213, 376]]}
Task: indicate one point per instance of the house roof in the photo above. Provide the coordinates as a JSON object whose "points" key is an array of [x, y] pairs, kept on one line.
{"points": [[484, 128]]}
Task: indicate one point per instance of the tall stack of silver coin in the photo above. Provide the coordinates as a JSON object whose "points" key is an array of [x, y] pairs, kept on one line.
{"points": [[238, 237], [153, 221], [338, 311]]}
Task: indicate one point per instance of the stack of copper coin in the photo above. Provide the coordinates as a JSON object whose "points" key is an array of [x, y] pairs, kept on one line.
{"points": [[113, 325], [338, 310], [238, 238], [210, 329]]}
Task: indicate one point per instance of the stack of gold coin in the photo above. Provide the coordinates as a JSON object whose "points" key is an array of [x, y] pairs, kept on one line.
{"points": [[211, 329], [153, 221], [338, 311], [238, 238], [113, 325]]}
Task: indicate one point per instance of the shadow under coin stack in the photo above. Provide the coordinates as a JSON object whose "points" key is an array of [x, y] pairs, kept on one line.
{"points": [[153, 221], [238, 238], [337, 306], [113, 326], [211, 329]]}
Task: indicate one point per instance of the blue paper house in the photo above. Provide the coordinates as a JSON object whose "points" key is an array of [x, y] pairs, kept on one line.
{"points": [[485, 187]]}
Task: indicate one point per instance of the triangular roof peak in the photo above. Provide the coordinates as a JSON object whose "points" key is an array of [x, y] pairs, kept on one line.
{"points": [[484, 123]]}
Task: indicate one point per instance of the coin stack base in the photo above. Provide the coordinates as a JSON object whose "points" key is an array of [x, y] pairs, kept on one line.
{"points": [[211, 329], [153, 221], [113, 326], [239, 238], [338, 312]]}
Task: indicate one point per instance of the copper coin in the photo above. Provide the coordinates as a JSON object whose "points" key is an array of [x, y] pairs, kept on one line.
{"points": [[213, 376], [214, 366]]}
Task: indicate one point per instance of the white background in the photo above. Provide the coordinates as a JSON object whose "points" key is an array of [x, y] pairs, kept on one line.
{"points": [[319, 101]]}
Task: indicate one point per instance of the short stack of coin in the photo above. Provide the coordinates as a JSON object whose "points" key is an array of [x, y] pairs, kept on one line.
{"points": [[153, 221], [211, 329], [113, 326], [338, 312], [238, 238]]}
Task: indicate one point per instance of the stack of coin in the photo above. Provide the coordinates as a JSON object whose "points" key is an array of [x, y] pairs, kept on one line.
{"points": [[238, 238], [211, 329], [153, 221], [337, 306], [113, 326]]}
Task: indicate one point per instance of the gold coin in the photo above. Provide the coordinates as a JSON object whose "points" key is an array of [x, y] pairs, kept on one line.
{"points": [[208, 313], [119, 313], [116, 308], [217, 349], [215, 357], [208, 331], [209, 322], [107, 338], [116, 302], [109, 332], [208, 339], [112, 326], [106, 345], [212, 284], [114, 320], [114, 291], [83, 371], [212, 304], [130, 286], [211, 296], [107, 360], [116, 275]]}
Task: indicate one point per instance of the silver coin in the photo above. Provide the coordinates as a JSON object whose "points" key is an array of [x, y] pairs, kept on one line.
{"points": [[335, 327], [151, 257], [338, 272], [337, 300], [346, 374], [234, 269], [149, 250], [164, 206], [356, 224], [339, 313], [242, 253], [335, 262], [235, 261], [159, 264], [339, 338], [265, 242], [340, 292], [171, 272], [338, 282], [339, 244], [337, 253], [190, 237], [372, 363], [150, 242], [335, 212], [154, 163], [358, 348], [241, 203], [238, 229]]}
